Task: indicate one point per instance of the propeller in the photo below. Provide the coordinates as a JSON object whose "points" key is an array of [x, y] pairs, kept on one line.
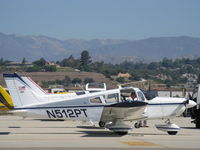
{"points": [[189, 103]]}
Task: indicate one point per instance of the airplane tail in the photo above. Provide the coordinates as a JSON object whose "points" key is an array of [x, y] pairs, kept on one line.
{"points": [[21, 90], [5, 99], [34, 86]]}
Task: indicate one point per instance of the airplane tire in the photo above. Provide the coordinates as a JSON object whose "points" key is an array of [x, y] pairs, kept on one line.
{"points": [[102, 124], [137, 125], [172, 132], [121, 133], [198, 123], [197, 120]]}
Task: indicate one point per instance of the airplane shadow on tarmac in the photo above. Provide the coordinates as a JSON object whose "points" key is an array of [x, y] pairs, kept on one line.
{"points": [[4, 133], [108, 133], [99, 134], [193, 128], [89, 127], [90, 131], [102, 133], [112, 134]]}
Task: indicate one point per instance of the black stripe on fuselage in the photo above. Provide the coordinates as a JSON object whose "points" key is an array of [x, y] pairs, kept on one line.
{"points": [[128, 104], [112, 105]]}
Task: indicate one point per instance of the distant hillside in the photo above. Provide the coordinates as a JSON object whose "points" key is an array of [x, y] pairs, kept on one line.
{"points": [[50, 76], [15, 47]]}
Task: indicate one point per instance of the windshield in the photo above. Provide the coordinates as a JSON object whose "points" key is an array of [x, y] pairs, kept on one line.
{"points": [[126, 93], [140, 96]]}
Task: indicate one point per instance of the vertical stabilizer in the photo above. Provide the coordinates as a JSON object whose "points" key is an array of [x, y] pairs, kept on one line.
{"points": [[34, 86], [21, 92]]}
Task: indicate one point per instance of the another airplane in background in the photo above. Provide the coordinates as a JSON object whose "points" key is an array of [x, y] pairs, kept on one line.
{"points": [[5, 101], [111, 108]]}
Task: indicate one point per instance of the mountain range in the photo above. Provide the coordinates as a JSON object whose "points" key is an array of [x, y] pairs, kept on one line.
{"points": [[15, 47]]}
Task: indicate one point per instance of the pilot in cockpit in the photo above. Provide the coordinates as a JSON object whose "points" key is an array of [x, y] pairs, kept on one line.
{"points": [[133, 96]]}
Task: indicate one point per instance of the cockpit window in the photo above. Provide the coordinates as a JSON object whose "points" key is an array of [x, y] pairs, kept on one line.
{"points": [[111, 98], [140, 96], [95, 100], [126, 92], [80, 93]]}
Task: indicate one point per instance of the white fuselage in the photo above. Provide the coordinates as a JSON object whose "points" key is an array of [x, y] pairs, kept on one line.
{"points": [[157, 108], [165, 107], [66, 113]]}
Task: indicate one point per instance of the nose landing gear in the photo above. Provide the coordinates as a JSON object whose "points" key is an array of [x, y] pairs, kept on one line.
{"points": [[170, 128]]}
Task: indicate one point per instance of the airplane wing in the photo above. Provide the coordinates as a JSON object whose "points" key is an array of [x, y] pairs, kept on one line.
{"points": [[128, 110]]}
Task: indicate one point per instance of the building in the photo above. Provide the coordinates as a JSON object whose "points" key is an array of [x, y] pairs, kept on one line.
{"points": [[123, 75]]}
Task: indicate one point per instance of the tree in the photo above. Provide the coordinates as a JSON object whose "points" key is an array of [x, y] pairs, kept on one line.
{"points": [[1, 61], [50, 68], [153, 66], [69, 62], [23, 60], [41, 62], [76, 81], [88, 80], [33, 69], [107, 74], [169, 83], [66, 81], [44, 84], [198, 79], [134, 77], [167, 63], [85, 61], [120, 80]]}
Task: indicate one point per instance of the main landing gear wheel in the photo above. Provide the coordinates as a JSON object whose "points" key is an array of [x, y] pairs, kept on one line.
{"points": [[121, 133], [172, 132], [137, 125], [102, 124]]}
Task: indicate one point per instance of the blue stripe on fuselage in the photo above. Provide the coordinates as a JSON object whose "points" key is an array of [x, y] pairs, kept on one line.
{"points": [[167, 104]]}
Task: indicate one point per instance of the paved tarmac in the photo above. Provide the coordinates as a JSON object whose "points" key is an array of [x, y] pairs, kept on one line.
{"points": [[20, 134]]}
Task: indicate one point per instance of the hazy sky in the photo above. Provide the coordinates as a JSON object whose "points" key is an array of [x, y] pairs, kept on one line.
{"points": [[102, 19]]}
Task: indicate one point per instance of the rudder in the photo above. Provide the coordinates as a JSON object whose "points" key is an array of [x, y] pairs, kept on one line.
{"points": [[20, 91]]}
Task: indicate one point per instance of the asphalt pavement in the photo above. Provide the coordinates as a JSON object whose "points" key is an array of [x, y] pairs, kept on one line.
{"points": [[20, 134]]}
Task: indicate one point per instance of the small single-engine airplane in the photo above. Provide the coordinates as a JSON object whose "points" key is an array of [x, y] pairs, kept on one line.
{"points": [[111, 108]]}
